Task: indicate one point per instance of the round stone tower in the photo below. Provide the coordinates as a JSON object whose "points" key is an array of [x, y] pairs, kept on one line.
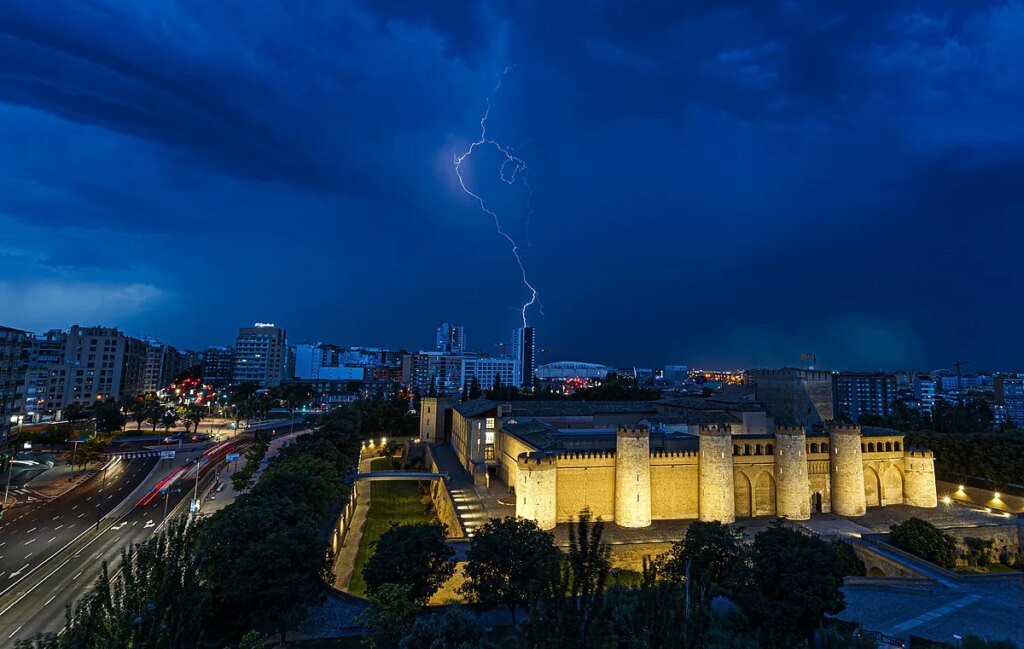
{"points": [[715, 481], [536, 489], [633, 477], [791, 482], [846, 468], [919, 478]]}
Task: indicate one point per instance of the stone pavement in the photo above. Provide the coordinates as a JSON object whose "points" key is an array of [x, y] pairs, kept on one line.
{"points": [[345, 562], [991, 608], [474, 504]]}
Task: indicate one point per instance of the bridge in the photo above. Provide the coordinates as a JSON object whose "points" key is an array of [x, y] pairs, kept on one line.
{"points": [[380, 476]]}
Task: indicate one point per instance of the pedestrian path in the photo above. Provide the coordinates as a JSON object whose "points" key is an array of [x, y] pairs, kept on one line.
{"points": [[934, 614], [345, 563]]}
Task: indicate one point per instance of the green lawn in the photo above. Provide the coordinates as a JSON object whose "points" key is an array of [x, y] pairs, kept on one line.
{"points": [[389, 502]]}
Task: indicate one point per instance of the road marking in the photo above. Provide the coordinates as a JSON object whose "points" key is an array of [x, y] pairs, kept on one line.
{"points": [[81, 515], [15, 631], [75, 507], [57, 528], [78, 575], [52, 540], [29, 555], [53, 597], [15, 574], [56, 517], [30, 541], [31, 530]]}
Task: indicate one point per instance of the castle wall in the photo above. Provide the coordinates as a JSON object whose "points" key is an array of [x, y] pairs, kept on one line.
{"points": [[674, 485], [715, 481], [507, 452], [919, 469], [847, 471], [791, 475], [787, 475], [537, 490], [632, 477], [586, 480]]}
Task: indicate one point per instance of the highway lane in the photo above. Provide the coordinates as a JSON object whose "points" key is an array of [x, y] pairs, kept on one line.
{"points": [[32, 535], [38, 604]]}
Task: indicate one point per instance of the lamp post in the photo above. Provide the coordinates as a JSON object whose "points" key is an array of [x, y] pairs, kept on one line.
{"points": [[10, 468]]}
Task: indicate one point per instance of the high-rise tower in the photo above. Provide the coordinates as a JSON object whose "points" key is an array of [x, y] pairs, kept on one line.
{"points": [[524, 350], [451, 338]]}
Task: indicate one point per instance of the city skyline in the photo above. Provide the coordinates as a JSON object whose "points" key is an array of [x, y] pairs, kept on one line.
{"points": [[741, 183]]}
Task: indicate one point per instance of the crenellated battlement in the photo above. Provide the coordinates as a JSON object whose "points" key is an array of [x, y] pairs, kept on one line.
{"points": [[790, 431], [674, 454], [715, 430], [584, 455], [841, 428], [635, 433], [535, 462], [921, 453]]}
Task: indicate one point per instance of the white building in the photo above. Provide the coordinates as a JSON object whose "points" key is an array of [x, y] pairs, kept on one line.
{"points": [[261, 353], [485, 369]]}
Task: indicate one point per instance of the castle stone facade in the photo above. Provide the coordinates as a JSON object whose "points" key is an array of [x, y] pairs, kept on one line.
{"points": [[789, 474]]}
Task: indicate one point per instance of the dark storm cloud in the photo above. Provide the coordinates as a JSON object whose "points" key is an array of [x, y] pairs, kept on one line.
{"points": [[743, 181]]}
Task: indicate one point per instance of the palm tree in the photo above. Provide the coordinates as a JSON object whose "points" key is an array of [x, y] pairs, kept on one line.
{"points": [[168, 419]]}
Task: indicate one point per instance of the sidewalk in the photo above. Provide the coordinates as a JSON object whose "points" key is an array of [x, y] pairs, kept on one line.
{"points": [[57, 481], [218, 501]]}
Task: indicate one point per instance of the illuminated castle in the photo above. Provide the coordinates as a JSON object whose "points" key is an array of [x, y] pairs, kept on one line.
{"points": [[630, 463]]}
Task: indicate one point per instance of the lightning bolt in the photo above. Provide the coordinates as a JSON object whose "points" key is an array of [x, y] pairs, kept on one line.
{"points": [[512, 168]]}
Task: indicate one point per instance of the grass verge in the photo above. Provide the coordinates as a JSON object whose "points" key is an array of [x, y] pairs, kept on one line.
{"points": [[397, 502]]}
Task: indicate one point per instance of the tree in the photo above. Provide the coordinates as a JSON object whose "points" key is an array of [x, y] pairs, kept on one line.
{"points": [[853, 565], [497, 382], [191, 416], [76, 412], [796, 580], [160, 600], [140, 412], [567, 613], [168, 419], [713, 556], [922, 539], [251, 640], [474, 389], [109, 417], [390, 616], [456, 628], [413, 555], [508, 562]]}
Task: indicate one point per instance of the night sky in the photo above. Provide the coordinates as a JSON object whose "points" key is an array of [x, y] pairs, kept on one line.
{"points": [[719, 183]]}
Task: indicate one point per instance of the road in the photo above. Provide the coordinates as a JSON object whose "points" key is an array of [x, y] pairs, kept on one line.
{"points": [[31, 535], [37, 605]]}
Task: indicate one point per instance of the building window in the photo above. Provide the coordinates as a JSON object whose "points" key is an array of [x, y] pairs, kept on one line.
{"points": [[490, 422]]}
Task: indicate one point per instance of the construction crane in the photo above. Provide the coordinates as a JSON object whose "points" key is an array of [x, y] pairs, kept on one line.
{"points": [[958, 364]]}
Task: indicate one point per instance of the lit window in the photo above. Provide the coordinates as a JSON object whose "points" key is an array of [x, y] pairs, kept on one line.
{"points": [[490, 422]]}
